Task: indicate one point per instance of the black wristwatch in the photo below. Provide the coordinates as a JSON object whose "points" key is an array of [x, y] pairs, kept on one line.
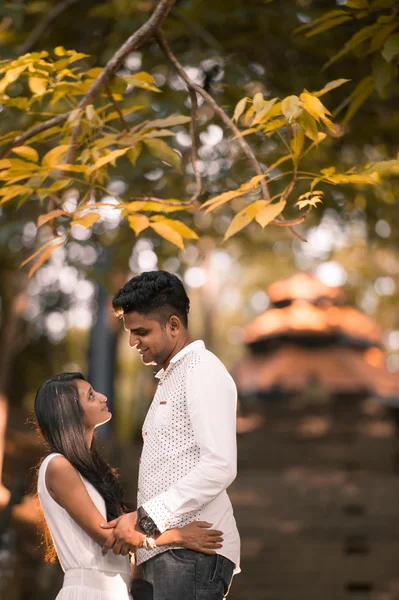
{"points": [[146, 523]]}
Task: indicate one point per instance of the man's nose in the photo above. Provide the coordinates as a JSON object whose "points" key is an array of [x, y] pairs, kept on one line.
{"points": [[133, 341]]}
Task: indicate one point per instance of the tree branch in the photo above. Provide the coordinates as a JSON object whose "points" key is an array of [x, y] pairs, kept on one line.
{"points": [[125, 124], [42, 25], [194, 150], [213, 104], [246, 148], [138, 38], [53, 122]]}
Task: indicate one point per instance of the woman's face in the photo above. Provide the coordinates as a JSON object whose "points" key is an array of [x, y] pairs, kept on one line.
{"points": [[93, 403]]}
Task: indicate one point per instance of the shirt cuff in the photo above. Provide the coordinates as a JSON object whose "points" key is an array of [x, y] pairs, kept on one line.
{"points": [[158, 512]]}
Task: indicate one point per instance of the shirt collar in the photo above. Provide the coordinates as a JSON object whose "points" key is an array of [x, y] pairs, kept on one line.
{"points": [[189, 348]]}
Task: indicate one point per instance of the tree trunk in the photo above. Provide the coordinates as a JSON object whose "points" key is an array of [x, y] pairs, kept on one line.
{"points": [[9, 344]]}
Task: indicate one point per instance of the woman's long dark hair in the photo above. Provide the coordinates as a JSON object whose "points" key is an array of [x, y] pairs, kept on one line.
{"points": [[59, 418]]}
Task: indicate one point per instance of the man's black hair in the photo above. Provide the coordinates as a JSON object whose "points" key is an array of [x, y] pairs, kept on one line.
{"points": [[153, 291]]}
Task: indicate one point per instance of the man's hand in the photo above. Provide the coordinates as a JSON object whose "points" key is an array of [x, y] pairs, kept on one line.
{"points": [[126, 535]]}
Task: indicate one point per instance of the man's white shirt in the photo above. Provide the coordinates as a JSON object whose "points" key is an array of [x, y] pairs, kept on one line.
{"points": [[189, 455]]}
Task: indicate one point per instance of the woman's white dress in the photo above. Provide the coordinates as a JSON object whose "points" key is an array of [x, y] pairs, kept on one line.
{"points": [[88, 574]]}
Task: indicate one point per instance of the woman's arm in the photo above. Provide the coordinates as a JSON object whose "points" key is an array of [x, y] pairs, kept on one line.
{"points": [[68, 490]]}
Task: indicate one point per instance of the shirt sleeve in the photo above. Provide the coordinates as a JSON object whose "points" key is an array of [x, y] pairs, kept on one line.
{"points": [[212, 405]]}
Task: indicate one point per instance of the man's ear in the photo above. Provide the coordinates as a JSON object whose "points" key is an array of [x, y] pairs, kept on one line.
{"points": [[174, 325]]}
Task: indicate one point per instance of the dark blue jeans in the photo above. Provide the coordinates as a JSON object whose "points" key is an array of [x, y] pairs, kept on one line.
{"points": [[183, 575]]}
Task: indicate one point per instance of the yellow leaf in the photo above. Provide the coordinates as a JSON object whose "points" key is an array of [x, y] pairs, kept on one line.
{"points": [[51, 215], [42, 259], [154, 206], [177, 226], [161, 150], [11, 76], [171, 121], [168, 233], [258, 101], [51, 158], [111, 157], [244, 217], [298, 141], [314, 106], [239, 109], [290, 107], [5, 163], [278, 162], [138, 223], [330, 86], [90, 112], [309, 199], [86, 221], [27, 152], [270, 212], [142, 80], [217, 201], [37, 85], [309, 125], [37, 252], [267, 112]]}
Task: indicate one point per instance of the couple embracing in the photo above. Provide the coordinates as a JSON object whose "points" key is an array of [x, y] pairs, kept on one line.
{"points": [[183, 537]]}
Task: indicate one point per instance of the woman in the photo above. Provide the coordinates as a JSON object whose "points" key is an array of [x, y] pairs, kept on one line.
{"points": [[78, 492]]}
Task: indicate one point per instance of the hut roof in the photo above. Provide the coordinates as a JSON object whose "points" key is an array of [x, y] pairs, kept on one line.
{"points": [[344, 323], [301, 287]]}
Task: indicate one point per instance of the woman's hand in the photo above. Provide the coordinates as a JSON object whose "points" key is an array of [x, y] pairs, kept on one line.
{"points": [[199, 537]]}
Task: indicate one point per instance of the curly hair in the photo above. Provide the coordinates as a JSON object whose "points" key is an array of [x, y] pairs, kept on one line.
{"points": [[152, 292]]}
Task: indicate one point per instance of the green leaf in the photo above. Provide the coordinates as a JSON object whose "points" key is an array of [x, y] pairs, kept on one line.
{"points": [[244, 217], [27, 152], [328, 25], [383, 73], [134, 153], [363, 90], [270, 212], [138, 223], [161, 150], [391, 47]]}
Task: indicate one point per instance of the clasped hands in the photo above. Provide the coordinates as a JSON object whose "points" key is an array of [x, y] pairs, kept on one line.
{"points": [[127, 536]]}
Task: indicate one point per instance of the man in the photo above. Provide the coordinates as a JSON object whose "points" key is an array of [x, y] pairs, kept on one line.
{"points": [[189, 452]]}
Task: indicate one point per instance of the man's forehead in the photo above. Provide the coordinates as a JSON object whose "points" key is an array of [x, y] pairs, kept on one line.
{"points": [[135, 320]]}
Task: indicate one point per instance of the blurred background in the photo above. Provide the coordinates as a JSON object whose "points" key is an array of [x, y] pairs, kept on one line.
{"points": [[310, 331]]}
